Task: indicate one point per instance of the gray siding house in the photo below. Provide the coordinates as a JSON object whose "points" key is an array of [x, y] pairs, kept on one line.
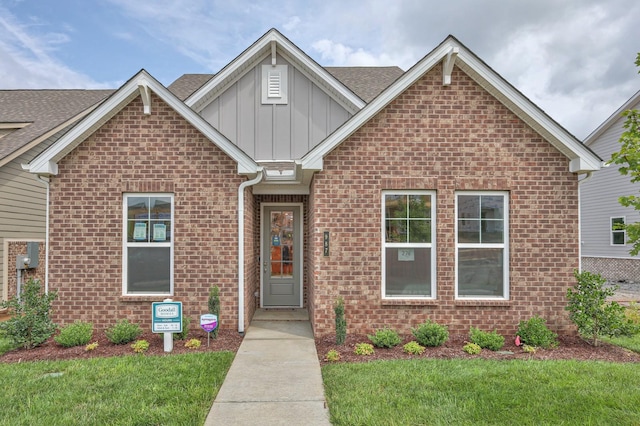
{"points": [[604, 248], [30, 121]]}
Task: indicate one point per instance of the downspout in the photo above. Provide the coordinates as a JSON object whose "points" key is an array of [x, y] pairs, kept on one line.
{"points": [[580, 182], [241, 189], [46, 235]]}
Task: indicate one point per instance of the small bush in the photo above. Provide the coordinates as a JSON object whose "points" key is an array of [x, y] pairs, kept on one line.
{"points": [[535, 332], [185, 329], [214, 307], [385, 338], [632, 313], [431, 334], [30, 324], [486, 340], [529, 349], [364, 349], [123, 332], [341, 322], [140, 346], [77, 334], [413, 348], [332, 356], [91, 346], [193, 344], [472, 349]]}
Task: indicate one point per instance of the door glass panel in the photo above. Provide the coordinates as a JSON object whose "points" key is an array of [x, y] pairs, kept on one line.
{"points": [[281, 244]]}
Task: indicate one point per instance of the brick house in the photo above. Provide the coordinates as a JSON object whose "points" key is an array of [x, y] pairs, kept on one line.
{"points": [[444, 194]]}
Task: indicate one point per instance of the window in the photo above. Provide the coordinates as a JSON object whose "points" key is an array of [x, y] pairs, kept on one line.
{"points": [[482, 245], [618, 233], [408, 255], [148, 244]]}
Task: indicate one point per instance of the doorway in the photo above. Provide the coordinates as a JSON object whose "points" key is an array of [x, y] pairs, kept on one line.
{"points": [[281, 255]]}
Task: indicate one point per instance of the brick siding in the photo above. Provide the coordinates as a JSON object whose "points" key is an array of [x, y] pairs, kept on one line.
{"points": [[443, 138], [613, 269]]}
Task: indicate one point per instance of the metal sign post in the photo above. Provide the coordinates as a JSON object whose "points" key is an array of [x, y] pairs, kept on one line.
{"points": [[208, 322]]}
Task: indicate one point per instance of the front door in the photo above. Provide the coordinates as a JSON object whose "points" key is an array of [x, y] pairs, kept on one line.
{"points": [[281, 256]]}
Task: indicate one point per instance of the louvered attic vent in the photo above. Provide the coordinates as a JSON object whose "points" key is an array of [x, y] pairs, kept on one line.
{"points": [[274, 84]]}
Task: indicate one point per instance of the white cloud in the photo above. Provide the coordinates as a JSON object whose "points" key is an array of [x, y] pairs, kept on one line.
{"points": [[291, 24]]}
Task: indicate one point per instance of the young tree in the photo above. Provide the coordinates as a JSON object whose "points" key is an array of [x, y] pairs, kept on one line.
{"points": [[629, 160]]}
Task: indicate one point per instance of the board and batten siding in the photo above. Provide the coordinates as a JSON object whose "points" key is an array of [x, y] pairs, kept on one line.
{"points": [[275, 132], [599, 199]]}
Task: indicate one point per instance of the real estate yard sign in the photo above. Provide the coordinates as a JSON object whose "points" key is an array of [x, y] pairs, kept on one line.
{"points": [[167, 317]]}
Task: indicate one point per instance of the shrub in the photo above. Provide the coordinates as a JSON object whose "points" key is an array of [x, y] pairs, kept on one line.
{"points": [[364, 349], [91, 346], [123, 332], [214, 307], [341, 322], [431, 334], [535, 332], [140, 346], [185, 329], [332, 356], [472, 349], [589, 310], [529, 349], [30, 324], [486, 340], [77, 334], [193, 344], [413, 348], [632, 313], [385, 338]]}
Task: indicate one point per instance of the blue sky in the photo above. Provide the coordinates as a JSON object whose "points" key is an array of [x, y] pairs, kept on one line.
{"points": [[574, 58]]}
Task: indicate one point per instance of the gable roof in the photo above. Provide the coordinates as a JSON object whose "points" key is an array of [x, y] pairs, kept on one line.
{"points": [[269, 44], [634, 100], [451, 51], [142, 84], [39, 114], [186, 84], [366, 82]]}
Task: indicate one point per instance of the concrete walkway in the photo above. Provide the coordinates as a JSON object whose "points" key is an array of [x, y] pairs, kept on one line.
{"points": [[275, 377]]}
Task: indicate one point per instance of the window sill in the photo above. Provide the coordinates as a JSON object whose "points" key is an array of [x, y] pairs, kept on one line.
{"points": [[144, 298], [410, 302], [480, 302]]}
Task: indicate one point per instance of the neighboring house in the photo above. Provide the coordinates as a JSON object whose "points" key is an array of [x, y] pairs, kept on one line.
{"points": [[604, 246], [448, 196], [30, 121]]}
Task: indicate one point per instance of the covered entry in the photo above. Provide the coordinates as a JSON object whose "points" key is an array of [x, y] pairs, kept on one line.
{"points": [[281, 255]]}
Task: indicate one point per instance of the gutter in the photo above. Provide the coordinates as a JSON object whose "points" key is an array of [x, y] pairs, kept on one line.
{"points": [[580, 182], [46, 235], [241, 189]]}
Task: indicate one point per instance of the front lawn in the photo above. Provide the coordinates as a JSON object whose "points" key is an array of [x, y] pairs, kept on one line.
{"points": [[443, 392], [126, 390]]}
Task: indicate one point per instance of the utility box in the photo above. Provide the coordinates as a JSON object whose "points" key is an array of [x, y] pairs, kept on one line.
{"points": [[29, 260]]}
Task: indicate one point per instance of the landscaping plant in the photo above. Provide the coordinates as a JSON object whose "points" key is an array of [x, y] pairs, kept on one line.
{"points": [[590, 311], [431, 334], [534, 332], [193, 344], [140, 346], [76, 334], [413, 348], [385, 338], [185, 329], [341, 322], [123, 332], [332, 356], [214, 307], [472, 348], [364, 349], [486, 340], [30, 324]]}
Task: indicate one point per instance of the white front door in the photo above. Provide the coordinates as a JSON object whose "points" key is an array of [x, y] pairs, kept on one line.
{"points": [[281, 257]]}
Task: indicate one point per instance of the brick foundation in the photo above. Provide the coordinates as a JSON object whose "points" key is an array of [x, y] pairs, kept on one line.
{"points": [[613, 269]]}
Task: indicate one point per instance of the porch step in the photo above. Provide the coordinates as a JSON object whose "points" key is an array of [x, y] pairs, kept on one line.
{"points": [[281, 314]]}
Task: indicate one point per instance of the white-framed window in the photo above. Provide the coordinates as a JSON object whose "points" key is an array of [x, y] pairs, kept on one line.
{"points": [[618, 233], [148, 244], [409, 249], [482, 249]]}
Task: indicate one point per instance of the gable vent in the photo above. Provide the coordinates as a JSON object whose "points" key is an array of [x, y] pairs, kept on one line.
{"points": [[274, 84]]}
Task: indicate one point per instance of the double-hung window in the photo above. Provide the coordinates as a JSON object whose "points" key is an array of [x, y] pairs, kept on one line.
{"points": [[482, 235], [618, 233], [408, 255], [148, 244]]}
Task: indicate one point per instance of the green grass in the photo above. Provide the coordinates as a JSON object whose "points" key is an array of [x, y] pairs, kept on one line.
{"points": [[443, 392], [631, 343], [127, 390]]}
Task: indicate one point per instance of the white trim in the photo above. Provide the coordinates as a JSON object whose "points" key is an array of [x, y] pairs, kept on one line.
{"points": [[611, 231], [613, 118], [126, 244], [299, 241], [504, 245], [431, 245]]}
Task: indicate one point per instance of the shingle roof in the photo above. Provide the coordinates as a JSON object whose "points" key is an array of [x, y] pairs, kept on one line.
{"points": [[366, 82], [44, 110]]}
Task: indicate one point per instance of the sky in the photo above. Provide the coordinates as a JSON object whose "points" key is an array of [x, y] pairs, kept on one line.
{"points": [[573, 58]]}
